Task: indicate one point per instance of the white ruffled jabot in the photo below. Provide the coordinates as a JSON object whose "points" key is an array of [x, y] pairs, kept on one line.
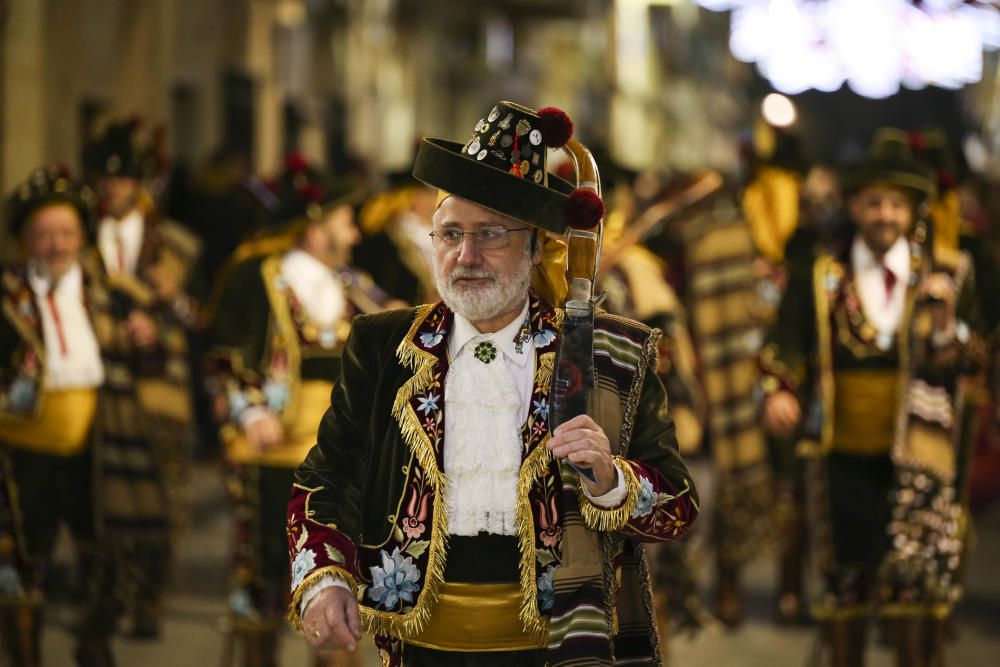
{"points": [[482, 456]]}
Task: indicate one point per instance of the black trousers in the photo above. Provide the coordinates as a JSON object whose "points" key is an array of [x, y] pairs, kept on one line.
{"points": [[51, 491], [860, 510]]}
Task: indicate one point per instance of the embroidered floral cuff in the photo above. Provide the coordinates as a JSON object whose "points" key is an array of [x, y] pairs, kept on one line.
{"points": [[316, 550], [609, 519]]}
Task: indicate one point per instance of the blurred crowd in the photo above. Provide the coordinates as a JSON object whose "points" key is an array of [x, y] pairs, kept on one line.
{"points": [[160, 316]]}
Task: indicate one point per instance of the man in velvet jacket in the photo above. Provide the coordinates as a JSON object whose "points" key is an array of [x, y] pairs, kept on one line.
{"points": [[437, 510]]}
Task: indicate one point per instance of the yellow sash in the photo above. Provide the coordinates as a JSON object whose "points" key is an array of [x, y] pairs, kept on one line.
{"points": [[477, 617], [864, 411], [60, 428], [300, 431]]}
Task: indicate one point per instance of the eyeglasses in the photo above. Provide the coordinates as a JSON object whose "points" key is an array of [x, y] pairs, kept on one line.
{"points": [[489, 238]]}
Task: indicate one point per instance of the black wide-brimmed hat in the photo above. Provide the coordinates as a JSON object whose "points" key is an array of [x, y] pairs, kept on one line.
{"points": [[305, 194], [503, 168], [119, 151], [47, 186], [891, 161]]}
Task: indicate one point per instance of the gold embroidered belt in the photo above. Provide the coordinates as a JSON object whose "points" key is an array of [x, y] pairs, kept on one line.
{"points": [[312, 401], [477, 618], [61, 427], [865, 406]]}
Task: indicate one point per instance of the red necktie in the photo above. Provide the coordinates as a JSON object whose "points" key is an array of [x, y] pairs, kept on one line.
{"points": [[51, 298], [121, 254], [890, 282]]}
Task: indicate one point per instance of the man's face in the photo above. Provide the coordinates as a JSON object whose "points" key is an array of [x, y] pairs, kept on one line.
{"points": [[475, 282], [119, 195], [883, 214], [334, 237], [53, 237]]}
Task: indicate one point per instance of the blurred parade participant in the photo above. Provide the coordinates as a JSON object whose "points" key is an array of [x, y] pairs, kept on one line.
{"points": [[713, 246], [276, 341], [865, 365], [227, 205], [55, 328], [397, 249], [634, 281], [772, 203], [148, 262], [434, 509], [951, 231]]}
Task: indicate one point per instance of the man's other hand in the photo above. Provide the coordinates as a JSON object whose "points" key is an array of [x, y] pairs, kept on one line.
{"points": [[332, 620]]}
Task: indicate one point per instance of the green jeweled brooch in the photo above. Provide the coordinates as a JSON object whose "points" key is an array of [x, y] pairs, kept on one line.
{"points": [[486, 352]]}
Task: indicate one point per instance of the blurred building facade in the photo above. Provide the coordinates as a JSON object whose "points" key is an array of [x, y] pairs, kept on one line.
{"points": [[354, 83]]}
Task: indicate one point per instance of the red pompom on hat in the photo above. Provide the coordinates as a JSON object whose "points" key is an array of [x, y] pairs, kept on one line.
{"points": [[917, 141], [296, 162], [584, 209], [313, 192], [556, 127]]}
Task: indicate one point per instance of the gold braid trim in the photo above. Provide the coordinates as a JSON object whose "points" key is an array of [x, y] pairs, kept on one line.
{"points": [[825, 354], [535, 466], [407, 352], [898, 452], [826, 611], [612, 519], [649, 354], [270, 270], [546, 364], [422, 363], [294, 617], [939, 610], [410, 624], [830, 612], [35, 343]]}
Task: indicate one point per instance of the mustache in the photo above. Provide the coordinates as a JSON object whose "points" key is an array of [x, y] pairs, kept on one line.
{"points": [[467, 273]]}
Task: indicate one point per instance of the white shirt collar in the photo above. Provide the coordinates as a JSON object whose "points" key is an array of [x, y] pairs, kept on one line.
{"points": [[505, 339], [129, 230], [316, 286], [70, 284], [127, 226], [897, 259], [301, 262]]}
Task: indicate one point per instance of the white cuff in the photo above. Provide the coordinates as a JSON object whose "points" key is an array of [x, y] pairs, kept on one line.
{"points": [[253, 414], [612, 498], [324, 582]]}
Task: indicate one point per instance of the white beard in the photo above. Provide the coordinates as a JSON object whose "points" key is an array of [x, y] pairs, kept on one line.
{"points": [[491, 300]]}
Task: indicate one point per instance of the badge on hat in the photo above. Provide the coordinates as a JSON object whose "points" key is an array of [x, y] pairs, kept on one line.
{"points": [[503, 167]]}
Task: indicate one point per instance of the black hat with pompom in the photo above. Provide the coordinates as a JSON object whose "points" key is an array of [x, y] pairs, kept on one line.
{"points": [[47, 186], [502, 167]]}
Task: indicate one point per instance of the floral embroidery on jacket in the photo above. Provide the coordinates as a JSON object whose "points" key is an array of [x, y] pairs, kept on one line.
{"points": [[395, 581]]}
